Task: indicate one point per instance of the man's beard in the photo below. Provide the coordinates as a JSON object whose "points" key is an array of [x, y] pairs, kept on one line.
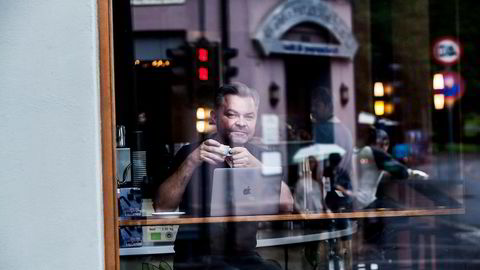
{"points": [[237, 138]]}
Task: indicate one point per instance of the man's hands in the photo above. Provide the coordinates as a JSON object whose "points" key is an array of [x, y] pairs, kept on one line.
{"points": [[241, 158], [213, 152]]}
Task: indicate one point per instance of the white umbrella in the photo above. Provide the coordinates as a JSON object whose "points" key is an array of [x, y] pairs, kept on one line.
{"points": [[319, 151]]}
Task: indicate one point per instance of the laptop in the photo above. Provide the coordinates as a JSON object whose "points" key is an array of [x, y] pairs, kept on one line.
{"points": [[244, 191]]}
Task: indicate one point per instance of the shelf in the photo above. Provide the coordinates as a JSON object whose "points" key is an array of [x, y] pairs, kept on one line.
{"points": [[287, 237], [147, 250]]}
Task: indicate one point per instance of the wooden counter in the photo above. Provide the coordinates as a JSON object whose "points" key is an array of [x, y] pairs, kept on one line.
{"points": [[153, 220]]}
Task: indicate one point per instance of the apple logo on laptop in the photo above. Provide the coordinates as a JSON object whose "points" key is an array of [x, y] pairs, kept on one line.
{"points": [[247, 191]]}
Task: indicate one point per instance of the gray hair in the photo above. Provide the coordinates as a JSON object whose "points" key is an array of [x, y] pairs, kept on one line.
{"points": [[237, 89]]}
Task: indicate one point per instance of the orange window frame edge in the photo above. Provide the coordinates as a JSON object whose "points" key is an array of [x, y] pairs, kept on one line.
{"points": [[107, 107]]}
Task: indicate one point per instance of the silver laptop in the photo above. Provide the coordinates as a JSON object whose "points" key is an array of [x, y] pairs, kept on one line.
{"points": [[244, 191]]}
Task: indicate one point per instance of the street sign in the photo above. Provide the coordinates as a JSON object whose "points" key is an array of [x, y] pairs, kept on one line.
{"points": [[447, 51], [454, 87]]}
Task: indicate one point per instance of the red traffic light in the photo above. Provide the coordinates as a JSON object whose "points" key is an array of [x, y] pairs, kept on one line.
{"points": [[203, 73], [202, 54]]}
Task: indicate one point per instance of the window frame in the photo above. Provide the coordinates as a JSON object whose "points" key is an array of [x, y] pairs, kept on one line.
{"points": [[107, 110]]}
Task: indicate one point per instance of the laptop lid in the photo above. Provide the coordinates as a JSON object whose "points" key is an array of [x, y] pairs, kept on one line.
{"points": [[244, 191]]}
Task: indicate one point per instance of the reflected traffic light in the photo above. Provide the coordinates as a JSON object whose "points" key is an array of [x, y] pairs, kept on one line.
{"points": [[228, 70], [180, 62], [206, 65]]}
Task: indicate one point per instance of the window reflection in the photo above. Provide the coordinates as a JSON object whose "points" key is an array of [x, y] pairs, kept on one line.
{"points": [[320, 131]]}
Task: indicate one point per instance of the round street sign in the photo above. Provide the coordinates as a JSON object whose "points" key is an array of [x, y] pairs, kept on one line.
{"points": [[454, 86], [446, 51]]}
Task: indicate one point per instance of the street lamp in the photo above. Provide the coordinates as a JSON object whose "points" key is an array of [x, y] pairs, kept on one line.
{"points": [[379, 107], [438, 81], [438, 87], [378, 90], [439, 101]]}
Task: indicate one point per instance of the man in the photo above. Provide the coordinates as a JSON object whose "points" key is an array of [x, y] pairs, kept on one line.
{"points": [[309, 193], [327, 129], [218, 245], [373, 163]]}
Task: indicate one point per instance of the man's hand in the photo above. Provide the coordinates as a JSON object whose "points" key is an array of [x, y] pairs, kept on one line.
{"points": [[417, 174], [212, 152], [344, 190], [242, 158]]}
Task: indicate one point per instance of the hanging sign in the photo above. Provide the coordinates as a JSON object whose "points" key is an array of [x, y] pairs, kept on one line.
{"points": [[447, 51], [289, 14]]}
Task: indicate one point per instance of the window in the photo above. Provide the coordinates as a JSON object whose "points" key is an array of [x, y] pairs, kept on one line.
{"points": [[355, 156]]}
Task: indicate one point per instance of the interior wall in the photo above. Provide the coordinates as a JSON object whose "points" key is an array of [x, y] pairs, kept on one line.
{"points": [[51, 202]]}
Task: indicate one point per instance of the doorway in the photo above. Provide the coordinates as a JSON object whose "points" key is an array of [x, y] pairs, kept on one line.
{"points": [[303, 74]]}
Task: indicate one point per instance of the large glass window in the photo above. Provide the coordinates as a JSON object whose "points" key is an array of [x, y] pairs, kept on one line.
{"points": [[301, 134]]}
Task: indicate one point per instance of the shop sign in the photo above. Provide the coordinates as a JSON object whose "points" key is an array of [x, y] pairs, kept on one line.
{"points": [[446, 51], [156, 2], [291, 13]]}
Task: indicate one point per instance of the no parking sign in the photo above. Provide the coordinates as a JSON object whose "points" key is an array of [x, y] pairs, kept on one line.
{"points": [[447, 50]]}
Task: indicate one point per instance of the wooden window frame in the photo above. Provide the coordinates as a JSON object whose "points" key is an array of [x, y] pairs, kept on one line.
{"points": [[107, 107]]}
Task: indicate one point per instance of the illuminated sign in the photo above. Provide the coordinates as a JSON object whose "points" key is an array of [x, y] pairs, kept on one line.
{"points": [[288, 14]]}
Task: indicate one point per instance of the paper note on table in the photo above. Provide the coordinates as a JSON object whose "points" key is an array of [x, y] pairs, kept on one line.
{"points": [[270, 129], [271, 163]]}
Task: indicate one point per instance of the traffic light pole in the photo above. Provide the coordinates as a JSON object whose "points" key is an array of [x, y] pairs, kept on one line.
{"points": [[225, 25], [201, 17]]}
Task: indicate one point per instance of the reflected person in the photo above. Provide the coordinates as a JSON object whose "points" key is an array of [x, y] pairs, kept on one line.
{"points": [[217, 245], [373, 163], [328, 129], [309, 189]]}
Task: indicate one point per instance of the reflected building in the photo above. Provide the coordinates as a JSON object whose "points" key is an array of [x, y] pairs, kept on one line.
{"points": [[285, 49]]}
